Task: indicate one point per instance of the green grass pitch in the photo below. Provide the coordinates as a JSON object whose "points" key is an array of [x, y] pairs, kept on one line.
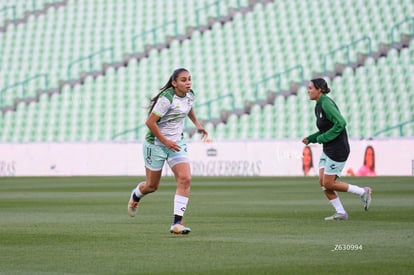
{"points": [[79, 225]]}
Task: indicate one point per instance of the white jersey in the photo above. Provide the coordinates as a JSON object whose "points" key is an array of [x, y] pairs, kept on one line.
{"points": [[172, 110]]}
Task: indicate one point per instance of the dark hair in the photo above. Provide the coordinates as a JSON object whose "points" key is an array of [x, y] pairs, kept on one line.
{"points": [[369, 147], [311, 157], [320, 83], [167, 85]]}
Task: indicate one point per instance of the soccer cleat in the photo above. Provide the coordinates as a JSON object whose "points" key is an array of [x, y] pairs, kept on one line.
{"points": [[337, 217], [132, 205], [366, 197], [178, 228]]}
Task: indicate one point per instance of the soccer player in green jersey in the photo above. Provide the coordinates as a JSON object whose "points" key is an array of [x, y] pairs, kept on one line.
{"points": [[333, 135], [164, 142]]}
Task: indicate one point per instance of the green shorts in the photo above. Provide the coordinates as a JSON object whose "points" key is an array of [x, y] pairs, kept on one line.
{"points": [[156, 155], [331, 167]]}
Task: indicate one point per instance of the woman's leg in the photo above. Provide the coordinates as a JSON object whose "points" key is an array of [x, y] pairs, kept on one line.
{"points": [[330, 183], [325, 182], [183, 178], [329, 193], [150, 185]]}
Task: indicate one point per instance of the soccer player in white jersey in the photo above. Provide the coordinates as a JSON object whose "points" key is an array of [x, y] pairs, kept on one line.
{"points": [[164, 142]]}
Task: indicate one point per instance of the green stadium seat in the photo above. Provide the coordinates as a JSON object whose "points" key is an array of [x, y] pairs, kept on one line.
{"points": [[229, 58]]}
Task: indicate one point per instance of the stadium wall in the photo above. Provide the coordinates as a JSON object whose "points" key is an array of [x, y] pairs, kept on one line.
{"points": [[236, 158]]}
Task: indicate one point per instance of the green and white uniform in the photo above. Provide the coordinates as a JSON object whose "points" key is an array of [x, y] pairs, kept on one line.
{"points": [[172, 110], [332, 134]]}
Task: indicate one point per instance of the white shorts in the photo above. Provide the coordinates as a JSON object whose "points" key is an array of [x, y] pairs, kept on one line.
{"points": [[331, 167], [156, 155]]}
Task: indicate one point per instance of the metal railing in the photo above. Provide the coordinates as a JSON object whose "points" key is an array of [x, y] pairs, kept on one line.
{"points": [[35, 3], [89, 58], [278, 77], [210, 102], [399, 126], [135, 130], [154, 32], [204, 10], [347, 49], [34, 7], [24, 84], [397, 25], [5, 10]]}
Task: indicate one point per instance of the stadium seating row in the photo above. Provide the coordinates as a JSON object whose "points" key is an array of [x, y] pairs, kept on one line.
{"points": [[88, 28], [16, 9], [60, 44], [231, 59], [371, 99]]}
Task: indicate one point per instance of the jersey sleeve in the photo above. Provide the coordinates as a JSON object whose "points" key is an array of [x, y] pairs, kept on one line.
{"points": [[313, 138], [161, 107], [332, 113]]}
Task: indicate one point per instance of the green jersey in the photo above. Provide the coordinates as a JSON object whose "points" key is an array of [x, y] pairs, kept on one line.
{"points": [[172, 110], [332, 133]]}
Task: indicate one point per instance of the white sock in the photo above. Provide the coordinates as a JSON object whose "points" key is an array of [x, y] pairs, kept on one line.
{"points": [[355, 190], [138, 192], [180, 204], [336, 203]]}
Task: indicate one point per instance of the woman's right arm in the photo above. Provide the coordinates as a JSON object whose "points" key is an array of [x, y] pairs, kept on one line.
{"points": [[155, 130]]}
